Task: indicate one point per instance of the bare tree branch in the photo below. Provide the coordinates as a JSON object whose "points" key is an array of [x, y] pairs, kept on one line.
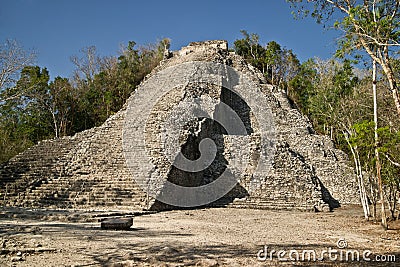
{"points": [[391, 161], [13, 58]]}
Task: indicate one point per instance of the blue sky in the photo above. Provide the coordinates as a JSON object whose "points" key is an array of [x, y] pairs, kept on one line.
{"points": [[59, 29]]}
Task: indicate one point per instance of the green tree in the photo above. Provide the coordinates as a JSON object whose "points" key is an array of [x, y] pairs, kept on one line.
{"points": [[35, 100], [288, 69], [370, 26], [25, 119], [278, 65], [62, 105], [273, 59], [33, 108], [362, 140], [302, 86], [251, 50], [103, 84]]}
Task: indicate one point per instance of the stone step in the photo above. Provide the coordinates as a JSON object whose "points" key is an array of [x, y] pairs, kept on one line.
{"points": [[264, 203], [271, 206]]}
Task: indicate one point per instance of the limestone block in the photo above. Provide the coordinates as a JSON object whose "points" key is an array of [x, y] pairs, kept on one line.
{"points": [[117, 223]]}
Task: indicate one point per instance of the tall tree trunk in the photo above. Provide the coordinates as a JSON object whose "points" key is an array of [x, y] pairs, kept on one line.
{"points": [[378, 163], [362, 186], [372, 188], [393, 87], [384, 61], [360, 179], [272, 75], [55, 124], [391, 200], [53, 115], [382, 58]]}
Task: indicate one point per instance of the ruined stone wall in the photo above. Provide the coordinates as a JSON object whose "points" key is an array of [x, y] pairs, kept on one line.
{"points": [[89, 169]]}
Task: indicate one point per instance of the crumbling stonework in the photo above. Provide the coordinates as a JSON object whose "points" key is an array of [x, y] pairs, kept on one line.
{"points": [[89, 169]]}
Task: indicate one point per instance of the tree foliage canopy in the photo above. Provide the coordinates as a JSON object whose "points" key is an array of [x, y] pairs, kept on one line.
{"points": [[33, 108]]}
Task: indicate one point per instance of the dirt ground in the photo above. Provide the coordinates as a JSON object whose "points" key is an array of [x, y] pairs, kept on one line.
{"points": [[204, 237]]}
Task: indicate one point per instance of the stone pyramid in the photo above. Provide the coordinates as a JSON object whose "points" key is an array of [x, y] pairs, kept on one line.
{"points": [[272, 154]]}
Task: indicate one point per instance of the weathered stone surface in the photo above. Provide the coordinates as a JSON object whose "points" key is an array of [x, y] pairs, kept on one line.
{"points": [[89, 169], [117, 223]]}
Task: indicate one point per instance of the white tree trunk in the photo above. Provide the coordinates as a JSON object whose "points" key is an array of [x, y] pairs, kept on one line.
{"points": [[360, 180], [378, 164]]}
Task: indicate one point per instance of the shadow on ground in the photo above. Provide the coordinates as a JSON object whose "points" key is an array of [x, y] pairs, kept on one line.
{"points": [[167, 254]]}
